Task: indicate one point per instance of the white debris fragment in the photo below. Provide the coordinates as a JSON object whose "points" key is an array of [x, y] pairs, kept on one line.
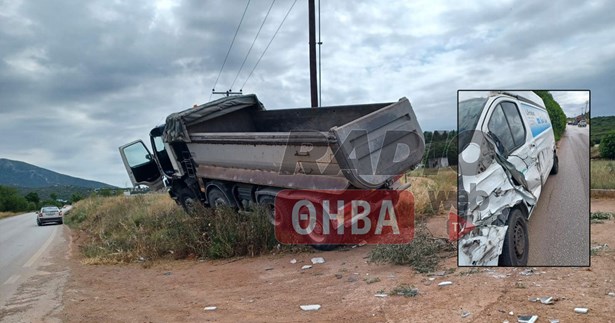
{"points": [[546, 300], [581, 310], [210, 308], [611, 294], [313, 307], [293, 261], [431, 278], [465, 314], [527, 318], [306, 267], [553, 321], [318, 260], [511, 313], [446, 283], [381, 295]]}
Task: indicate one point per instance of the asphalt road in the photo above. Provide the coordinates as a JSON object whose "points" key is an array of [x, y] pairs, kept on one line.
{"points": [[559, 225], [22, 245]]}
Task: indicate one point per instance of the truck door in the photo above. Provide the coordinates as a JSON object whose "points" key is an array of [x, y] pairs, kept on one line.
{"points": [[514, 140], [141, 166]]}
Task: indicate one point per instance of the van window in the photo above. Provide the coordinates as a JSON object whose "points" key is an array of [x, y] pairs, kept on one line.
{"points": [[507, 125], [499, 127], [515, 123]]}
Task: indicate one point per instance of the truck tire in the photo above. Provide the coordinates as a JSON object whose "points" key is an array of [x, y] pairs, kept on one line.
{"points": [[323, 244], [516, 241], [187, 200], [216, 198], [268, 202], [555, 167]]}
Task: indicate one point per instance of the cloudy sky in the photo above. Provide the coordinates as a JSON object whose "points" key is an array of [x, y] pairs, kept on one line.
{"points": [[80, 78]]}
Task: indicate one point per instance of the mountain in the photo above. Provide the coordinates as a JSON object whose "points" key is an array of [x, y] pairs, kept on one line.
{"points": [[19, 174]]}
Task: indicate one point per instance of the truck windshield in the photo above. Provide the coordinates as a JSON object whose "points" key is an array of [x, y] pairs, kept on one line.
{"points": [[469, 113]]}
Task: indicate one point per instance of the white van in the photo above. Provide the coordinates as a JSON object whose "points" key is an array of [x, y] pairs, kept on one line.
{"points": [[507, 151]]}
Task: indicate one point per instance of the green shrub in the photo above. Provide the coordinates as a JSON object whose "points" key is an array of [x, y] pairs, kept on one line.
{"points": [[422, 253], [607, 146]]}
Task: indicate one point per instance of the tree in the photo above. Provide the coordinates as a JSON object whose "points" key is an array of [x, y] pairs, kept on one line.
{"points": [[75, 197], [11, 200], [556, 114], [607, 146], [33, 197], [53, 196]]}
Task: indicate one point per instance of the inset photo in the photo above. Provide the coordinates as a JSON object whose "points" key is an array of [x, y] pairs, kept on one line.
{"points": [[523, 197]]}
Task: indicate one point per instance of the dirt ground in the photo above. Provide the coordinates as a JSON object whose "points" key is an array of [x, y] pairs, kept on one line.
{"points": [[271, 288]]}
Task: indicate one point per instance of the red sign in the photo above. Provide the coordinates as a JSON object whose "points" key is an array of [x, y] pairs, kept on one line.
{"points": [[319, 217]]}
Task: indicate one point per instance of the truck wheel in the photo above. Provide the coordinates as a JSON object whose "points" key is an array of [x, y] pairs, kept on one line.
{"points": [[39, 223], [555, 167], [316, 236], [268, 202], [187, 200], [217, 198], [516, 241]]}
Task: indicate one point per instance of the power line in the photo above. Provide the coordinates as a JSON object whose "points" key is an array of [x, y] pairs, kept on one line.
{"points": [[272, 38], [230, 47], [254, 41]]}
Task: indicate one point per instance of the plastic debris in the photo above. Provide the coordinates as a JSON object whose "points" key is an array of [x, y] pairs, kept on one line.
{"points": [[313, 307], [465, 314], [611, 294], [318, 260], [210, 308], [581, 310], [306, 267], [293, 261], [547, 300], [381, 295], [527, 318], [446, 283], [511, 313], [553, 321]]}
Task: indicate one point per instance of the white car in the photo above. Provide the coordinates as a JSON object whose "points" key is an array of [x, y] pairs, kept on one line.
{"points": [[49, 214], [507, 151]]}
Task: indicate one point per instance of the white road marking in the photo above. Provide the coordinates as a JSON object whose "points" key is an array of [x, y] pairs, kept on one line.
{"points": [[40, 251], [12, 279]]}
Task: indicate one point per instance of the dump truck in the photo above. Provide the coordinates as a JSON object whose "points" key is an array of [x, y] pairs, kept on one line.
{"points": [[232, 151]]}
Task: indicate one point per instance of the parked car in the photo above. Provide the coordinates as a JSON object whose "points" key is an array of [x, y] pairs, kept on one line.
{"points": [[507, 151], [582, 123], [49, 214]]}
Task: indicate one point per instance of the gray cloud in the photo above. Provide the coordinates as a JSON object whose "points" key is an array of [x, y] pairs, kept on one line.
{"points": [[77, 80]]}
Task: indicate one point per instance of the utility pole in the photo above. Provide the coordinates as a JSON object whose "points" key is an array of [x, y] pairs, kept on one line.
{"points": [[312, 40]]}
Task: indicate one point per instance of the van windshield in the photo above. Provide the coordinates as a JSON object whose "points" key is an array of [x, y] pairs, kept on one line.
{"points": [[469, 113]]}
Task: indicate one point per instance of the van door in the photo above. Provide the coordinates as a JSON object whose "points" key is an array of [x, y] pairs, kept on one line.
{"points": [[140, 165], [507, 125]]}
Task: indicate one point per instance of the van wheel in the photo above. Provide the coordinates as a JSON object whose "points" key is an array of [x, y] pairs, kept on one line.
{"points": [[187, 200], [217, 198], [516, 241], [555, 167]]}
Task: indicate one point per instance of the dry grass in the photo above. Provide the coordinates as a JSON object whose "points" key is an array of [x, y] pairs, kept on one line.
{"points": [[152, 226], [434, 190], [602, 174], [7, 214]]}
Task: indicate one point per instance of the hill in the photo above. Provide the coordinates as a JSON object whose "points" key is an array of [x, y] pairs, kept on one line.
{"points": [[600, 126], [19, 174]]}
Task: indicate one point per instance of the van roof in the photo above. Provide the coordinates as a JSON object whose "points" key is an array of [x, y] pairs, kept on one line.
{"points": [[527, 96]]}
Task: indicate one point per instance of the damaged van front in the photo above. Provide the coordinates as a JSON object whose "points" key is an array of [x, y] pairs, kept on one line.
{"points": [[507, 150]]}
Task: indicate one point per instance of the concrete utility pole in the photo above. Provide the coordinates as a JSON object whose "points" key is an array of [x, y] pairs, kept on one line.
{"points": [[312, 40]]}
